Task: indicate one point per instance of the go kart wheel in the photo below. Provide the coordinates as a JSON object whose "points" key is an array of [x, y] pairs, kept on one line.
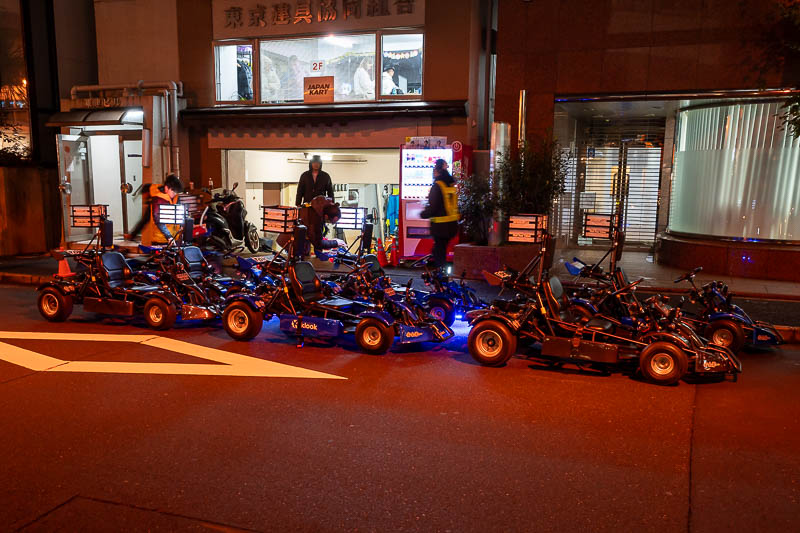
{"points": [[251, 239], [491, 343], [441, 309], [373, 336], [159, 314], [54, 305], [241, 322], [663, 363], [726, 333]]}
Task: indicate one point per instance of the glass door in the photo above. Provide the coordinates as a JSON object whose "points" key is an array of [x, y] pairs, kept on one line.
{"points": [[75, 182], [131, 183]]}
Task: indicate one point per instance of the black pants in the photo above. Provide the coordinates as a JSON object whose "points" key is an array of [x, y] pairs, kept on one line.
{"points": [[440, 250]]}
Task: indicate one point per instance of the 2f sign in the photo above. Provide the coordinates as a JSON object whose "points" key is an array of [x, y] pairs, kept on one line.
{"points": [[316, 66], [318, 90]]}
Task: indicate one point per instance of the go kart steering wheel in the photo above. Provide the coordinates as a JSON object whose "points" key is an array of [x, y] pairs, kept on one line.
{"points": [[688, 275], [358, 269]]}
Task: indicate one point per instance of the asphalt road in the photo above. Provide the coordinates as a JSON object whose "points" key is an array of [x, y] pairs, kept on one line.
{"points": [[420, 440]]}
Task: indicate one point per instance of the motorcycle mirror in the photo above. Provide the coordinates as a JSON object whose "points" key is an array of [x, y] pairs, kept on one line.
{"points": [[235, 184]]}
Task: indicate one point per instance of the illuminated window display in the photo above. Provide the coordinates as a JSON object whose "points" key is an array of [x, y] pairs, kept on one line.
{"points": [[736, 173], [350, 59], [401, 67]]}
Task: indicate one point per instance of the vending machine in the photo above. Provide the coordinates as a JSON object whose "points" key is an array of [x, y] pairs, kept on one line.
{"points": [[416, 179]]}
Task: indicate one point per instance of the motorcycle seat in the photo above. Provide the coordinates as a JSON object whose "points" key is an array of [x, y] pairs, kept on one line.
{"points": [[599, 324]]}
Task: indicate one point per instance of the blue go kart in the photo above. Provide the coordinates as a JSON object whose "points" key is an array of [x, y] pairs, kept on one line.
{"points": [[723, 322], [307, 308]]}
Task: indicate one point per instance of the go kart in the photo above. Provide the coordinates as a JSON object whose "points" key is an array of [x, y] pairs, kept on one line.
{"points": [[661, 348], [104, 283], [723, 322], [306, 307]]}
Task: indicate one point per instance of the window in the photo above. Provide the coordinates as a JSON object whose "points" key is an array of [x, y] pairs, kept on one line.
{"points": [[350, 59], [234, 70], [401, 64]]}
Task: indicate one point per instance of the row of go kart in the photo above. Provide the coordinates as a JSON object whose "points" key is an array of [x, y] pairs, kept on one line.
{"points": [[177, 282], [599, 326]]}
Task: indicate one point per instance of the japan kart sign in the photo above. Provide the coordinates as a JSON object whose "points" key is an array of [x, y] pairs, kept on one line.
{"points": [[318, 90]]}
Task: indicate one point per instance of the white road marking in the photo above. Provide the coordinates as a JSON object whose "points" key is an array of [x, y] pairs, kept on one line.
{"points": [[233, 364]]}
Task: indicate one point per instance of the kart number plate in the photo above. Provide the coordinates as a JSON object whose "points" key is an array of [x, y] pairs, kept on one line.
{"points": [[183, 276], [389, 292]]}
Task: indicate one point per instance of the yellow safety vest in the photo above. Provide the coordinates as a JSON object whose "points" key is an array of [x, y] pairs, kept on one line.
{"points": [[450, 201]]}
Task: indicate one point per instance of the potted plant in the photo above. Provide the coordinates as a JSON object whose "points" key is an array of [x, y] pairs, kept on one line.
{"points": [[524, 182]]}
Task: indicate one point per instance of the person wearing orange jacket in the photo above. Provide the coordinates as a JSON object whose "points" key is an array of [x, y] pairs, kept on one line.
{"points": [[166, 194]]}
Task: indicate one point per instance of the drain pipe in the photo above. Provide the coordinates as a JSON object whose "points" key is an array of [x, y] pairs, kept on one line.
{"points": [[174, 90]]}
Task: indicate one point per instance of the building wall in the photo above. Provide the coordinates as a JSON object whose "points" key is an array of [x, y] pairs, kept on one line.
{"points": [[136, 40], [76, 44], [574, 47]]}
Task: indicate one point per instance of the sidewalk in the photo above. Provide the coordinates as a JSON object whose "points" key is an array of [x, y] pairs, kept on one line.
{"points": [[35, 269]]}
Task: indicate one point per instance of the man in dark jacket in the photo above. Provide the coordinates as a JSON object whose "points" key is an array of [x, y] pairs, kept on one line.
{"points": [[442, 210], [313, 182]]}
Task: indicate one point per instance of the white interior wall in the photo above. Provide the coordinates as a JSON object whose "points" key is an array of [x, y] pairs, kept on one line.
{"points": [[382, 166], [106, 179]]}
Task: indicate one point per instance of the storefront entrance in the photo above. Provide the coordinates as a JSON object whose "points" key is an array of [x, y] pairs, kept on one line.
{"points": [[365, 178], [100, 169], [614, 153]]}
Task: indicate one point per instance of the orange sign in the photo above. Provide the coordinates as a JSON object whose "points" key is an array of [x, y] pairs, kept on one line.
{"points": [[318, 90]]}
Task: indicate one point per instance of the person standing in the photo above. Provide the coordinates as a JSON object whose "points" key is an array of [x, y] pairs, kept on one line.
{"points": [[363, 86], [442, 210], [387, 82], [313, 182]]}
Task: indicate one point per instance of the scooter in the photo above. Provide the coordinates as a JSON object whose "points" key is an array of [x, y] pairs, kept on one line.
{"points": [[227, 228]]}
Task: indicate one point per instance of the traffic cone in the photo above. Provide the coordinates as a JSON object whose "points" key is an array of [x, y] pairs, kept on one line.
{"points": [[393, 254], [381, 253], [63, 265]]}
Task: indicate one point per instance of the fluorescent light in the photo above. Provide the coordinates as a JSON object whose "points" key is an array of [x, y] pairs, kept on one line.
{"points": [[337, 40]]}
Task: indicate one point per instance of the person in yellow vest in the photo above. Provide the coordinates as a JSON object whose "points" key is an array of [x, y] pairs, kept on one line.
{"points": [[155, 232], [442, 210]]}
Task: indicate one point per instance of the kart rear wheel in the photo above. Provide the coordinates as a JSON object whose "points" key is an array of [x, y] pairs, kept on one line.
{"points": [[251, 238], [663, 363], [159, 314], [54, 305], [726, 333], [441, 309], [241, 321], [373, 336], [491, 343]]}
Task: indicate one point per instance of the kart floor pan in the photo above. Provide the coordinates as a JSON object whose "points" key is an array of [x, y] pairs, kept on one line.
{"points": [[567, 348]]}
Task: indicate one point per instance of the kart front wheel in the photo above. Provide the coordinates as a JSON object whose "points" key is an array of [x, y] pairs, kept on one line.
{"points": [[663, 363], [251, 238], [241, 321], [54, 305], [441, 309], [373, 336], [491, 343], [726, 333], [159, 314]]}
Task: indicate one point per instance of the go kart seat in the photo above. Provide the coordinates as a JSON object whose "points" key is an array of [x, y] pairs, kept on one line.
{"points": [[116, 269], [117, 272], [553, 291], [194, 261], [599, 324], [196, 264], [305, 283], [620, 278]]}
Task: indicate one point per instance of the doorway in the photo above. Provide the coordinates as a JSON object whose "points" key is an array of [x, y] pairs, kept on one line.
{"points": [[613, 152]]}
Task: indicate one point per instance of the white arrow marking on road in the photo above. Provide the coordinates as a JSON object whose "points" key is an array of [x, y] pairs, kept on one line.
{"points": [[233, 364]]}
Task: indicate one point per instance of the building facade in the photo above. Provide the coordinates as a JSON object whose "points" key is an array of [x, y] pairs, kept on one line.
{"points": [[667, 111]]}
